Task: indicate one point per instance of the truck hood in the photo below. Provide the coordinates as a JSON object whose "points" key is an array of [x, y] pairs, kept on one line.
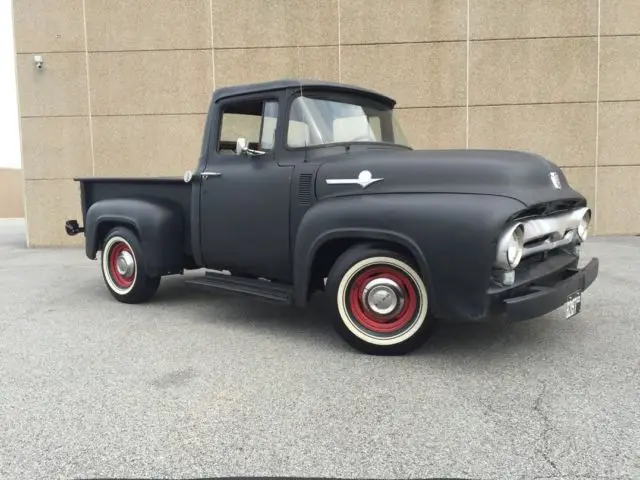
{"points": [[523, 176]]}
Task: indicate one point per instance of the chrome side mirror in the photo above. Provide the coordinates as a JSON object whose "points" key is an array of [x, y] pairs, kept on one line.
{"points": [[242, 146]]}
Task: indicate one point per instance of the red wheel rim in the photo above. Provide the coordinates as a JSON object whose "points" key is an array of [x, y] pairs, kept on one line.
{"points": [[119, 279], [379, 323]]}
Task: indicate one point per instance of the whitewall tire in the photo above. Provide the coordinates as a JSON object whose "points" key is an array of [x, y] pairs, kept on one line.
{"points": [[123, 267], [380, 301]]}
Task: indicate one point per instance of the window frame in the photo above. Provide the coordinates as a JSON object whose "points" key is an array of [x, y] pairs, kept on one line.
{"points": [[223, 104], [337, 97]]}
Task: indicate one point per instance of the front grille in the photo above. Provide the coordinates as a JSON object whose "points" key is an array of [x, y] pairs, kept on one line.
{"points": [[526, 262]]}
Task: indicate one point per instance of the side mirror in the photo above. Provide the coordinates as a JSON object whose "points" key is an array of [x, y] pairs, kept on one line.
{"points": [[242, 147]]}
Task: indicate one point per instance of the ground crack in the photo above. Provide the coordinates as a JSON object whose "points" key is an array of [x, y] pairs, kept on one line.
{"points": [[543, 447]]}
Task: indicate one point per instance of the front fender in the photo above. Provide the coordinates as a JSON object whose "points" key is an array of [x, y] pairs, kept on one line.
{"points": [[159, 226], [451, 236]]}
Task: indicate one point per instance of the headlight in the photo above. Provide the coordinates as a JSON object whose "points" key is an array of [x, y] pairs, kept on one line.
{"points": [[583, 226], [511, 247]]}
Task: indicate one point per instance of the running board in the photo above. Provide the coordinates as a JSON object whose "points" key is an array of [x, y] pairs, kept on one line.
{"points": [[262, 289]]}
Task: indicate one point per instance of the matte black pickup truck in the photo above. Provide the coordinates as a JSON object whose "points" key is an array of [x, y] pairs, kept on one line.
{"points": [[305, 186]]}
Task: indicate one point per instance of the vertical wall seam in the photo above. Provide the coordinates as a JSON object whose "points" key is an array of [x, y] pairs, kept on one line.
{"points": [[86, 60], [20, 137], [339, 45], [595, 176], [213, 50], [467, 81]]}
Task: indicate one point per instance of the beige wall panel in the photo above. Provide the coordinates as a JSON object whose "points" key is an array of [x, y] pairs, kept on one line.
{"points": [[56, 147], [269, 23], [582, 179], [532, 18], [620, 68], [127, 83], [263, 64], [618, 200], [49, 204], [147, 145], [416, 75], [619, 142], [11, 193], [44, 26], [620, 17], [533, 71], [148, 25], [390, 21], [563, 133], [60, 88], [434, 128]]}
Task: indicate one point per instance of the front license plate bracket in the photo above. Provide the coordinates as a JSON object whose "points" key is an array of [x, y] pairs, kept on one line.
{"points": [[573, 305]]}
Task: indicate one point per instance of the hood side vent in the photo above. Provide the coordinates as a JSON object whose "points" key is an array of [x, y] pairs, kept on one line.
{"points": [[305, 183]]}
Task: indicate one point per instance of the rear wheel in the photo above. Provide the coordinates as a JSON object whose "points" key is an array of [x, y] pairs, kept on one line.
{"points": [[379, 300], [123, 270]]}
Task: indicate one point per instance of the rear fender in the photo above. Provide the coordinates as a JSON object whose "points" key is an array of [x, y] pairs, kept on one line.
{"points": [[159, 226]]}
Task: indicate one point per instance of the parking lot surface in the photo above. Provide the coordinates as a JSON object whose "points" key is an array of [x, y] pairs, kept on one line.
{"points": [[199, 385]]}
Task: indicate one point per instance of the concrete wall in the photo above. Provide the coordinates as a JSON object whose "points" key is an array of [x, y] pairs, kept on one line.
{"points": [[558, 77], [11, 197]]}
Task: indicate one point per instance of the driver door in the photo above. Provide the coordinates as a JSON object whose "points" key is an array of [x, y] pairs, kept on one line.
{"points": [[244, 214]]}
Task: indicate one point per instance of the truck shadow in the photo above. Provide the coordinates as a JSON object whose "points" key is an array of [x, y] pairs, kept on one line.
{"points": [[313, 324]]}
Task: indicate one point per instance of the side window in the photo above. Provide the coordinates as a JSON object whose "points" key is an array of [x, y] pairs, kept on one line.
{"points": [[256, 121]]}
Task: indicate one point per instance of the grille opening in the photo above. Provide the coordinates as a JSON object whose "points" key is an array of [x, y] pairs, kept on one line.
{"points": [[551, 208], [554, 237]]}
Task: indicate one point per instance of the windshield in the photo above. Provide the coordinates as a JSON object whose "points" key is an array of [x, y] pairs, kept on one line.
{"points": [[317, 121]]}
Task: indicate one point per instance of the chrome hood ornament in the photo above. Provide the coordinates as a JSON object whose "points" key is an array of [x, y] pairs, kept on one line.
{"points": [[365, 178]]}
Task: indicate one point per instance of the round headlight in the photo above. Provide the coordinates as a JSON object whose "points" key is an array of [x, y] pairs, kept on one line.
{"points": [[515, 248], [511, 247], [583, 226]]}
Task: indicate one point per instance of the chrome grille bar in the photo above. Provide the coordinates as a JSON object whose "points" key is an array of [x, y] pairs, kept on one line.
{"points": [[557, 231]]}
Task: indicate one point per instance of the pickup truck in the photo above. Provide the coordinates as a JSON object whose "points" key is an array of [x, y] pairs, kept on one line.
{"points": [[309, 186]]}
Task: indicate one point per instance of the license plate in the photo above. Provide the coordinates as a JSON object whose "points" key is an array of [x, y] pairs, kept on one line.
{"points": [[572, 305]]}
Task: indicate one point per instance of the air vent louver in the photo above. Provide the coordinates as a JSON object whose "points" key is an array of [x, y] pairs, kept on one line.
{"points": [[304, 189]]}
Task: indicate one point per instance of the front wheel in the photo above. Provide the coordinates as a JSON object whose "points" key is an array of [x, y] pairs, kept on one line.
{"points": [[380, 302], [123, 270]]}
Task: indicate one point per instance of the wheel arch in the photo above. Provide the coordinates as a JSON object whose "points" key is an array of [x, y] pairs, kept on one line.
{"points": [[325, 250], [158, 226]]}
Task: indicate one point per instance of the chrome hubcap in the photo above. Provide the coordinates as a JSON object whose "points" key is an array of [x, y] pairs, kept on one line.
{"points": [[382, 296], [125, 264]]}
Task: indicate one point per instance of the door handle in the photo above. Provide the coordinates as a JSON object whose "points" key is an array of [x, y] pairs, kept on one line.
{"points": [[211, 174]]}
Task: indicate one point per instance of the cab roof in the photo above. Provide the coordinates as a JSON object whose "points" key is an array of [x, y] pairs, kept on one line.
{"points": [[248, 88]]}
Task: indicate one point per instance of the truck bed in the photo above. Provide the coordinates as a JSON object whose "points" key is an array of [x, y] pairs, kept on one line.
{"points": [[173, 189]]}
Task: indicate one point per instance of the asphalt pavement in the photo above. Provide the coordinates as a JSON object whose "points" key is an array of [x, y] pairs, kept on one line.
{"points": [[206, 385]]}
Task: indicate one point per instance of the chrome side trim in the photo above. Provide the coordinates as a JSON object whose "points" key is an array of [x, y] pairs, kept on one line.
{"points": [[365, 178]]}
